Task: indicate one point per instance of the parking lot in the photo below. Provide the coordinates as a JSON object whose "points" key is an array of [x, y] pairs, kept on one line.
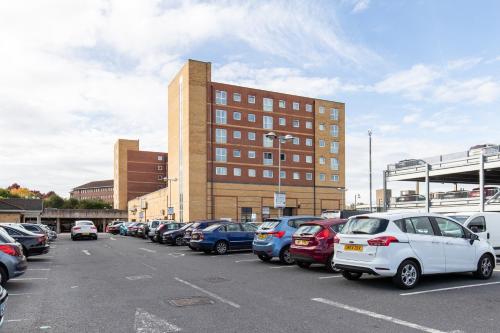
{"points": [[125, 284]]}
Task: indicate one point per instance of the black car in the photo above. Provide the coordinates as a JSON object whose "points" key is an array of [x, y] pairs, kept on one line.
{"points": [[199, 225], [33, 244], [3, 303], [164, 227], [174, 237]]}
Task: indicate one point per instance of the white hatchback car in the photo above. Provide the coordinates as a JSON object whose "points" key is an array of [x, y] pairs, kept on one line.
{"points": [[83, 229], [405, 246]]}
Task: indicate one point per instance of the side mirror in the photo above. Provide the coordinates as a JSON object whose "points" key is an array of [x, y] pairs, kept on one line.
{"points": [[473, 237]]}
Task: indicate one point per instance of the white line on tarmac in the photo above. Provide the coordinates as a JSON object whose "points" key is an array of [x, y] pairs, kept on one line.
{"points": [[22, 294], [148, 266], [112, 238], [147, 250], [211, 294], [278, 267], [138, 277], [450, 288], [330, 277], [86, 252], [15, 320], [247, 260], [27, 279], [39, 269], [377, 315]]}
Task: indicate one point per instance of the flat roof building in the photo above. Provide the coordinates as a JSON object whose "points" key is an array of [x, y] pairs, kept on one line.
{"points": [[96, 190]]}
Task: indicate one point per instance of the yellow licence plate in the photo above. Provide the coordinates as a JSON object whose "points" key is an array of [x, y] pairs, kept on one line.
{"points": [[301, 242], [262, 236], [358, 248]]}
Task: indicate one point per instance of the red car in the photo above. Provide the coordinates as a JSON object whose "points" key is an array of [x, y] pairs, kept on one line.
{"points": [[312, 243]]}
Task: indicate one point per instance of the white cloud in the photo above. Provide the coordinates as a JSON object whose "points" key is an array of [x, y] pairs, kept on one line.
{"points": [[477, 90], [464, 63], [358, 5]]}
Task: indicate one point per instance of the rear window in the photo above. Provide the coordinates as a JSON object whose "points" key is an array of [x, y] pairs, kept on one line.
{"points": [[185, 227], [365, 226], [310, 229], [269, 225], [212, 227], [154, 224], [84, 223]]}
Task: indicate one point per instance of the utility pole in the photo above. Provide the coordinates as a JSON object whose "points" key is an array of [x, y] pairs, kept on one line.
{"points": [[370, 164]]}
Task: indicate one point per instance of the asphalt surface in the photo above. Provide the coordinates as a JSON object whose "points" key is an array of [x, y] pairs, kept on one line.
{"points": [[124, 284]]}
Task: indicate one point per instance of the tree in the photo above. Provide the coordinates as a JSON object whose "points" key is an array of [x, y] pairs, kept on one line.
{"points": [[70, 203], [93, 204], [4, 194], [53, 201], [22, 192]]}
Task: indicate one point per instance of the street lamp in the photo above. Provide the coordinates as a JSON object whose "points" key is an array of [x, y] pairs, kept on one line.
{"points": [[284, 138], [169, 184], [356, 196], [370, 164]]}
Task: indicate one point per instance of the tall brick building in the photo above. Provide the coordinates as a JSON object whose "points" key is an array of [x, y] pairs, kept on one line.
{"points": [[225, 164], [96, 190]]}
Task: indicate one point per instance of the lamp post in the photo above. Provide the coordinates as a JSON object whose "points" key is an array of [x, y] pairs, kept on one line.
{"points": [[370, 164], [356, 197], [280, 138], [169, 184]]}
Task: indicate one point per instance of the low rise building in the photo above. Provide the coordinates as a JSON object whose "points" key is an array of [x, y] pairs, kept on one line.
{"points": [[151, 206], [17, 210], [96, 190]]}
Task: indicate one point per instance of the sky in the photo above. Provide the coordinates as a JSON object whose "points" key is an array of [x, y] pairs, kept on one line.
{"points": [[424, 76]]}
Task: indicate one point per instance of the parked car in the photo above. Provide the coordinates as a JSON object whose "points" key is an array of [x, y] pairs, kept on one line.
{"points": [[114, 227], [312, 243], [51, 233], [4, 295], [274, 236], [123, 230], [154, 234], [13, 262], [83, 229], [406, 246], [455, 195], [141, 230], [222, 238], [199, 225], [165, 227], [409, 163], [487, 149], [132, 229], [489, 191], [175, 237], [31, 243], [35, 228], [410, 198]]}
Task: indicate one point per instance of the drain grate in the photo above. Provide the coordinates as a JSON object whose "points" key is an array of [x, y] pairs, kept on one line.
{"points": [[190, 301], [215, 279]]}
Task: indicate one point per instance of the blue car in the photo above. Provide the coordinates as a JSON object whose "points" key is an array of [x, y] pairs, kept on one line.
{"points": [[222, 238], [274, 236], [124, 228]]}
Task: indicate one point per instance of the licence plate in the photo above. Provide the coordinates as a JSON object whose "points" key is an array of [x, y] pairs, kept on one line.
{"points": [[301, 242], [261, 236], [358, 248]]}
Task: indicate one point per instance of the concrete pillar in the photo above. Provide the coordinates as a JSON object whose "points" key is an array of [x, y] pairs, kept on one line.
{"points": [[38, 219], [481, 182], [427, 189], [384, 179], [58, 225]]}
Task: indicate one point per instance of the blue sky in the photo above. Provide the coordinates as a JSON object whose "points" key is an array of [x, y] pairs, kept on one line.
{"points": [[423, 75]]}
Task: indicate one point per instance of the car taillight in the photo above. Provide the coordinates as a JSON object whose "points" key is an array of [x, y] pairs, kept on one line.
{"points": [[41, 239], [11, 250], [93, 228], [323, 234], [76, 228], [336, 239], [277, 234], [383, 241]]}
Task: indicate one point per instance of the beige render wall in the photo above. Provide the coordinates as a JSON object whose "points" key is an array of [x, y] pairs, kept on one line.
{"points": [[120, 171], [156, 206], [10, 217]]}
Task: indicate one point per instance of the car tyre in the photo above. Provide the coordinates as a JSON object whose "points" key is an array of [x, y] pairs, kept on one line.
{"points": [[4, 276], [330, 265], [302, 264], [221, 247], [484, 267], [285, 257], [178, 240], [408, 275], [351, 276], [264, 257]]}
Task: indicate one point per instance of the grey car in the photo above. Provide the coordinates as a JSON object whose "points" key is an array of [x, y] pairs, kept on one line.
{"points": [[13, 263], [39, 229]]}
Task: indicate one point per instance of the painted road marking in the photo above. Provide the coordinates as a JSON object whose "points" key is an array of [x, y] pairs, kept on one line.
{"points": [[330, 277], [138, 277], [146, 322], [86, 252], [211, 294], [112, 238], [148, 266], [247, 260], [377, 315], [73, 287], [176, 254], [23, 294], [450, 288], [15, 320], [278, 267], [39, 269], [147, 250], [27, 279]]}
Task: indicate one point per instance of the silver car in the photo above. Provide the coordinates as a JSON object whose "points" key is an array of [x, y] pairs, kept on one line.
{"points": [[84, 229], [152, 226]]}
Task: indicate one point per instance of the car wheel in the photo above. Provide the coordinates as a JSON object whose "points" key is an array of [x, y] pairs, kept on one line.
{"points": [[264, 258], [221, 247], [178, 241], [351, 275], [407, 275], [484, 267], [330, 265], [302, 264], [285, 256], [4, 276]]}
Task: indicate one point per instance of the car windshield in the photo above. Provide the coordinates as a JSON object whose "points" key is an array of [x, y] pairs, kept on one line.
{"points": [[212, 227], [268, 225], [308, 229], [154, 224], [185, 227], [366, 226], [459, 218], [195, 225]]}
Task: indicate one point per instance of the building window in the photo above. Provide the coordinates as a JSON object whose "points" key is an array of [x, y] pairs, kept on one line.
{"points": [[309, 124], [237, 172], [322, 177], [334, 114], [160, 168], [251, 154], [309, 107], [321, 127], [282, 174], [220, 154], [309, 142], [268, 158], [321, 142], [268, 122], [282, 122], [220, 97], [309, 159], [236, 115], [160, 177], [321, 109], [309, 176], [296, 158], [322, 160], [267, 173], [283, 157], [267, 141], [296, 140], [236, 135], [160, 158], [251, 136], [296, 175], [220, 135], [267, 104], [251, 173], [282, 104], [296, 106], [334, 130], [335, 178], [220, 117], [334, 147], [251, 99], [251, 117], [237, 97], [296, 123], [236, 153], [221, 171], [334, 163]]}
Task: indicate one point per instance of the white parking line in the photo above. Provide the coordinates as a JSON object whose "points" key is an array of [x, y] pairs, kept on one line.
{"points": [[39, 269], [247, 260], [147, 250], [112, 238], [148, 266], [450, 288], [278, 267], [330, 277], [27, 279], [15, 320], [86, 252], [377, 315], [138, 277], [217, 297], [23, 294]]}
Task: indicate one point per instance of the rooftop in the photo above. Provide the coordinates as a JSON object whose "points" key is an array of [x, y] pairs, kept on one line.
{"points": [[96, 184]]}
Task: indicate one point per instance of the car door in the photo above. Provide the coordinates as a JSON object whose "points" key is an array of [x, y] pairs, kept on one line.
{"points": [[459, 252], [235, 236], [426, 244], [249, 234]]}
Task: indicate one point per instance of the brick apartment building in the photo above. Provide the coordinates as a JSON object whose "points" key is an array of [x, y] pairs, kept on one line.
{"points": [[96, 190], [136, 172], [226, 166]]}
